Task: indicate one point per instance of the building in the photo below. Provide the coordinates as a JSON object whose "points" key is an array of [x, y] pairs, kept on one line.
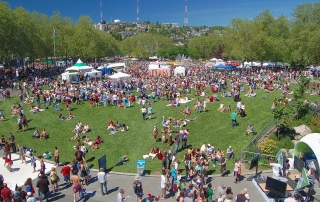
{"points": [[101, 26], [173, 25]]}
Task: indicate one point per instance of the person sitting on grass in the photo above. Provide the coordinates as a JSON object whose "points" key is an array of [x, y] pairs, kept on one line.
{"points": [[86, 140], [36, 134], [112, 129], [86, 128], [61, 117], [95, 144], [250, 130], [122, 160], [152, 154], [221, 108], [70, 116], [124, 128], [43, 134]]}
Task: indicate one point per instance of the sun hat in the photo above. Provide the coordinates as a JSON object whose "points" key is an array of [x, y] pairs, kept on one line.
{"points": [[209, 145], [29, 193], [137, 177]]}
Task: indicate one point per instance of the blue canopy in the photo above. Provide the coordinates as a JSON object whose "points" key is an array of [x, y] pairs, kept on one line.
{"points": [[220, 66], [106, 70]]}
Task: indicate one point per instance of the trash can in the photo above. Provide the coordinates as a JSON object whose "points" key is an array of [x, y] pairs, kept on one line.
{"points": [[141, 165]]}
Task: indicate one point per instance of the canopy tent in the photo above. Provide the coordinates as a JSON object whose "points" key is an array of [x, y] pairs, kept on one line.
{"points": [[309, 144], [119, 75], [154, 66], [220, 66], [180, 70], [80, 66], [153, 58]]}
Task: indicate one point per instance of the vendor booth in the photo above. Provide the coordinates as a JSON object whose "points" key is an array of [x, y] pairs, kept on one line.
{"points": [[180, 70], [308, 149], [119, 75], [72, 77]]}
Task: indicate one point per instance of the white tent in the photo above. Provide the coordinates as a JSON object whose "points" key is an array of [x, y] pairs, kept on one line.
{"points": [[80, 66], [154, 66], [71, 77], [119, 75], [309, 144], [180, 70], [153, 58]]}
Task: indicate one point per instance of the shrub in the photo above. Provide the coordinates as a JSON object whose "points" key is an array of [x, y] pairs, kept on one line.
{"points": [[268, 147], [285, 143]]}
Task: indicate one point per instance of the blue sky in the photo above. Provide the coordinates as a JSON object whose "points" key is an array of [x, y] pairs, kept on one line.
{"points": [[200, 12]]}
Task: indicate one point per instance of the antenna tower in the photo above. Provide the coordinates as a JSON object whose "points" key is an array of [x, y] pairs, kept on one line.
{"points": [[138, 13], [186, 14], [100, 11]]}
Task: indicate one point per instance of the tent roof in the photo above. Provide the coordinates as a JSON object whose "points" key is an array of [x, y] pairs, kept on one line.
{"points": [[312, 141], [79, 63], [119, 75]]}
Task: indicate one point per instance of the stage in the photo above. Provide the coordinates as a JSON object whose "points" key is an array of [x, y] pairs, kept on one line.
{"points": [[260, 184]]}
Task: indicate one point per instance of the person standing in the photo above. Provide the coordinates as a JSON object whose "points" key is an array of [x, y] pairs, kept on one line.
{"points": [[76, 184], [163, 184], [54, 180], [155, 133], [143, 112], [56, 156], [176, 143], [223, 168], [276, 168], [137, 188], [120, 197], [43, 186], [7, 150], [6, 193], [65, 170], [12, 142], [236, 173], [22, 154], [102, 177], [149, 112], [234, 119], [185, 139]]}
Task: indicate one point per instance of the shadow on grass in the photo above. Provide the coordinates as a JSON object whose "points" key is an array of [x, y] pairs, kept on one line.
{"points": [[91, 159], [109, 169], [147, 172]]}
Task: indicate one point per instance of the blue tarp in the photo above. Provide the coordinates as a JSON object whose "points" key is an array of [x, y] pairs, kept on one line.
{"points": [[220, 66], [106, 70]]}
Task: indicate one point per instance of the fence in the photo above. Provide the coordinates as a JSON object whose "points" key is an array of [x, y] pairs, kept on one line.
{"points": [[251, 149]]}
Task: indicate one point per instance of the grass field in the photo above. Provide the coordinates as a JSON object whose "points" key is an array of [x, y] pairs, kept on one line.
{"points": [[212, 127]]}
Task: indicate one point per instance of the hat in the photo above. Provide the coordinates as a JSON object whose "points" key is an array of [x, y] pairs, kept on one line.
{"points": [[209, 145], [223, 186], [137, 177], [229, 146], [155, 126], [29, 193]]}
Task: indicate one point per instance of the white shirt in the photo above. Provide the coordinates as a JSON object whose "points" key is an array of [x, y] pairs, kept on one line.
{"points": [[102, 177], [276, 167], [163, 181], [119, 197]]}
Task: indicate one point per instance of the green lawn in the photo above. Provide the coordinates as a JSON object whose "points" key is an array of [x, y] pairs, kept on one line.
{"points": [[212, 127]]}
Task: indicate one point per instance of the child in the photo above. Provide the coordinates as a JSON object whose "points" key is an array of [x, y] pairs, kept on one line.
{"points": [[287, 166], [33, 162], [155, 133], [8, 163]]}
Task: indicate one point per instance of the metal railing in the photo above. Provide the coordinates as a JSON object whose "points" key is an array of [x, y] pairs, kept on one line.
{"points": [[251, 149]]}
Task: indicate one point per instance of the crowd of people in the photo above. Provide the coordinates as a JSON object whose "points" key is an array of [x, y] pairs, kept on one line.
{"points": [[197, 158]]}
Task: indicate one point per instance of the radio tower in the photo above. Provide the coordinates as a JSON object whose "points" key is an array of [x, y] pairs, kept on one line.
{"points": [[186, 14], [100, 11], [138, 14]]}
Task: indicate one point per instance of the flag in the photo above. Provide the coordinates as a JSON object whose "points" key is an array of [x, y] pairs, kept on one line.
{"points": [[303, 180], [279, 157], [55, 35]]}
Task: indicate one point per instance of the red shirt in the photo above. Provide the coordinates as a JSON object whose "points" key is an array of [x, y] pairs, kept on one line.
{"points": [[65, 171], [7, 160], [6, 194]]}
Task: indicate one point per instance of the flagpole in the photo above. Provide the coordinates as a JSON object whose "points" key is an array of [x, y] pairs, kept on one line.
{"points": [[54, 47]]}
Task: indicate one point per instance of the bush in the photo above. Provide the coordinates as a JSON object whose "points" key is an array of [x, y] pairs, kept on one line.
{"points": [[285, 143], [268, 147]]}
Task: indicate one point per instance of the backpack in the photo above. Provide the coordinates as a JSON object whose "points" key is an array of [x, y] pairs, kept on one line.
{"points": [[138, 189], [206, 192]]}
